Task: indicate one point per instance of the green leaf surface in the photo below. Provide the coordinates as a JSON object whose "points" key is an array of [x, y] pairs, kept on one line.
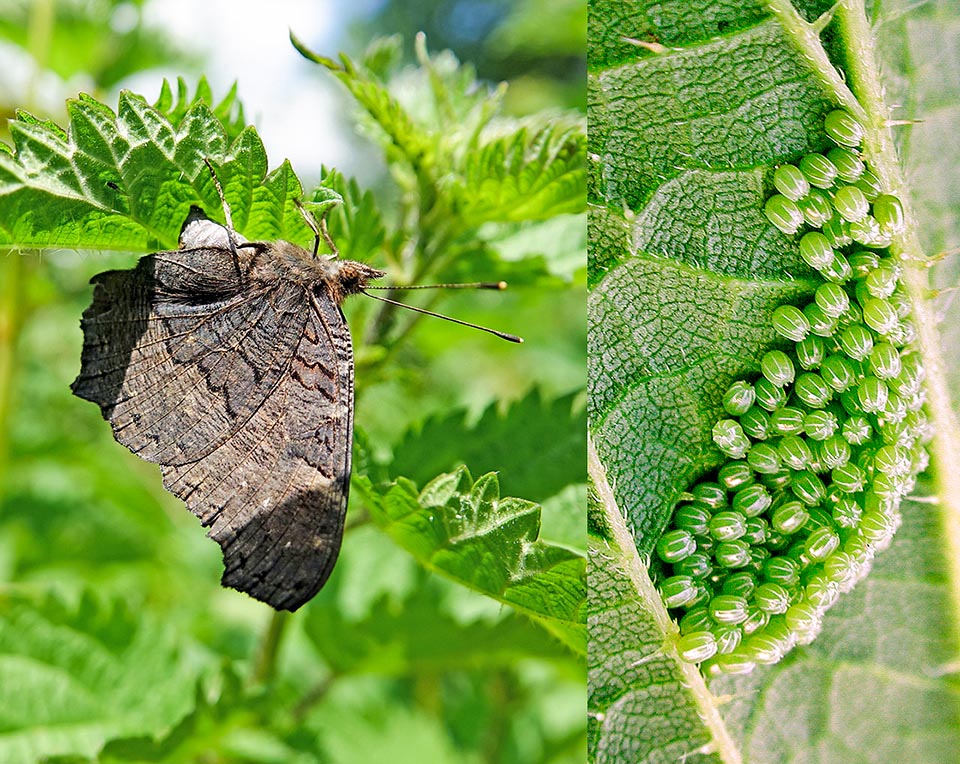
{"points": [[73, 677], [465, 531], [685, 271], [639, 709], [418, 635], [126, 180], [540, 464]]}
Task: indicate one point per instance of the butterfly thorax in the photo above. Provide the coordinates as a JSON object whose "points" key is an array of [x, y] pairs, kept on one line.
{"points": [[338, 278]]}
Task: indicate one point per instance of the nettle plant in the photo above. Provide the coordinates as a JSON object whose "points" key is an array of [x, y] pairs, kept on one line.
{"points": [[465, 179], [765, 384]]}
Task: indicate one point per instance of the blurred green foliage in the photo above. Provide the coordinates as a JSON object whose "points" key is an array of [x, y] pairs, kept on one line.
{"points": [[117, 643]]}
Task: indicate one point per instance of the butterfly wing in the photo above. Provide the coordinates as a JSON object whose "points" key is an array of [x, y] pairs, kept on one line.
{"points": [[243, 395]]}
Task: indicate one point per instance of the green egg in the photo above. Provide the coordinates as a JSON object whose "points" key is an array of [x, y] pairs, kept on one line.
{"points": [[783, 213], [790, 182], [818, 170], [843, 128], [851, 203]]}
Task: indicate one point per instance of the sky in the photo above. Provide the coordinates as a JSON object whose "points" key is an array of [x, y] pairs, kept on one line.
{"points": [[298, 109]]}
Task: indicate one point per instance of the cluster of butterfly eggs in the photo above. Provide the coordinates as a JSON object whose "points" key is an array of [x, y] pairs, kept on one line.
{"points": [[821, 448]]}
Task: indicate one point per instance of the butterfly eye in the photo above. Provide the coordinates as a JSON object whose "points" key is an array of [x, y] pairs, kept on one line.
{"points": [[842, 128]]}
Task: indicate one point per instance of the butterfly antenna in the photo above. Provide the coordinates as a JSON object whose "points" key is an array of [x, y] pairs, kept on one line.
{"points": [[228, 218], [424, 311], [319, 228]]}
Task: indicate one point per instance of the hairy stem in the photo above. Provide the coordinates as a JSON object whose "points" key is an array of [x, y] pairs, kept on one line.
{"points": [[865, 72]]}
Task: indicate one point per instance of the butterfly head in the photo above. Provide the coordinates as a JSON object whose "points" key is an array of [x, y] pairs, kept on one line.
{"points": [[348, 277]]}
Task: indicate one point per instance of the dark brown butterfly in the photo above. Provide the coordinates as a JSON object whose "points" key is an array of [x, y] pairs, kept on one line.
{"points": [[229, 363]]}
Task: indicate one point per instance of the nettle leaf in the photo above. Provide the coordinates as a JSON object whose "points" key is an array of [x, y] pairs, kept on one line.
{"points": [[540, 464], [689, 115], [465, 531], [443, 123], [74, 677], [418, 636], [126, 180], [529, 174]]}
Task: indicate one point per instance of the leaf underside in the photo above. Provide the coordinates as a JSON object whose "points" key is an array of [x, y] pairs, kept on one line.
{"points": [[684, 273]]}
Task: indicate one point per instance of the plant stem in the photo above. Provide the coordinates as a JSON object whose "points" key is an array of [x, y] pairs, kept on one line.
{"points": [[10, 321], [865, 73], [806, 38], [265, 666]]}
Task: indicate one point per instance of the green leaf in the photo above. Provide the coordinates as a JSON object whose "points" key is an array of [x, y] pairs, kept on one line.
{"points": [[127, 180], [74, 677], [466, 532], [630, 678], [527, 174], [689, 115], [418, 635], [540, 464]]}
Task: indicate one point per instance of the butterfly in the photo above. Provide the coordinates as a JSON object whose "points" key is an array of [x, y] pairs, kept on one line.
{"points": [[229, 363]]}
